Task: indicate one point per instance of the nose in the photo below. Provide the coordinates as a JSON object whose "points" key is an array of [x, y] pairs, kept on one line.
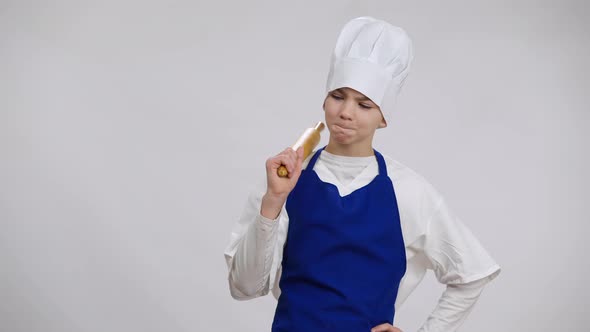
{"points": [[346, 111]]}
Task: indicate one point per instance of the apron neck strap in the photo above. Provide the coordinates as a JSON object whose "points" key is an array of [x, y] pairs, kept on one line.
{"points": [[381, 162], [314, 158]]}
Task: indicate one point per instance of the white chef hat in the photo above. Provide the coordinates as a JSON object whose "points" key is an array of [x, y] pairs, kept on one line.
{"points": [[372, 57]]}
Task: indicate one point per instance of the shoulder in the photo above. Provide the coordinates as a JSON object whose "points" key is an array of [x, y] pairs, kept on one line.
{"points": [[417, 199], [409, 179]]}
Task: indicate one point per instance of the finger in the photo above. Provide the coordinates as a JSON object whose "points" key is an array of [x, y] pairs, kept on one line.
{"points": [[281, 159], [297, 156], [300, 153], [299, 160], [292, 155], [294, 158], [284, 153], [289, 152], [295, 170], [380, 328], [385, 328]]}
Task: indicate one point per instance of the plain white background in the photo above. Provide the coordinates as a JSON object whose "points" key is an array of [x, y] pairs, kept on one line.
{"points": [[132, 131]]}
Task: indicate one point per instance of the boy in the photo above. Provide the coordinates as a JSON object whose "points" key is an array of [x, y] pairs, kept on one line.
{"points": [[350, 233]]}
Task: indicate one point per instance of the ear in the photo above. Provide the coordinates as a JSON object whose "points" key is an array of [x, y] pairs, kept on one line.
{"points": [[383, 123]]}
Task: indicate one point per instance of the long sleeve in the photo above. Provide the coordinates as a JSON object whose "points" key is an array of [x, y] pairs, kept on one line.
{"points": [[461, 262], [250, 270], [250, 253], [453, 307], [434, 236]]}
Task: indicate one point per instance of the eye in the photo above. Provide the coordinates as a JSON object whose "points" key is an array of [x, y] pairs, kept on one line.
{"points": [[336, 97], [365, 106]]}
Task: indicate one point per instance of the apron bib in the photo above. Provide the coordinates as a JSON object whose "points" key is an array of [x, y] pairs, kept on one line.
{"points": [[343, 258]]}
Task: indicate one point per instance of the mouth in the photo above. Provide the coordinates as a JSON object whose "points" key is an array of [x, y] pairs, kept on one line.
{"points": [[342, 127]]}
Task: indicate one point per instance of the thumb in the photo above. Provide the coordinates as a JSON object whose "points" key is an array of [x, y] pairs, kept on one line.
{"points": [[300, 152], [299, 163]]}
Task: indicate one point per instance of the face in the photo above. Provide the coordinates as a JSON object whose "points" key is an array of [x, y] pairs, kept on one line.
{"points": [[352, 118]]}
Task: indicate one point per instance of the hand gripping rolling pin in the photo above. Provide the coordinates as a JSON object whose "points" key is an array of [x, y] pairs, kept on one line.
{"points": [[309, 140]]}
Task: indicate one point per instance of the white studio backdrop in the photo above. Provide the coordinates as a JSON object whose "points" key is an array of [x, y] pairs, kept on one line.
{"points": [[132, 132]]}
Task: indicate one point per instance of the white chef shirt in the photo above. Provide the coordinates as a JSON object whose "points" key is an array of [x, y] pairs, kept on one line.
{"points": [[434, 239]]}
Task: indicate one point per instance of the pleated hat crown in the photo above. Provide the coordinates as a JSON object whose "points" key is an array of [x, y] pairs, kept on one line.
{"points": [[373, 57]]}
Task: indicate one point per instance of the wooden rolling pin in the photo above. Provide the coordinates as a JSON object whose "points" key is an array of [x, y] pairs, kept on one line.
{"points": [[309, 140]]}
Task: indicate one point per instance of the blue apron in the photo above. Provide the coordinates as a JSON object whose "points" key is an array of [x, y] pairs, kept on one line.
{"points": [[343, 258]]}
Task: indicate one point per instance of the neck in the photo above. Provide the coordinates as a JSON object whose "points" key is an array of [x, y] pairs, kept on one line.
{"points": [[349, 150]]}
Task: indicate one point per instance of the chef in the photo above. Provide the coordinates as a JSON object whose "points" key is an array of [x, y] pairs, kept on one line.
{"points": [[349, 234]]}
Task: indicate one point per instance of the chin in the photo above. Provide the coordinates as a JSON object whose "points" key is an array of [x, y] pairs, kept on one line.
{"points": [[340, 140]]}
